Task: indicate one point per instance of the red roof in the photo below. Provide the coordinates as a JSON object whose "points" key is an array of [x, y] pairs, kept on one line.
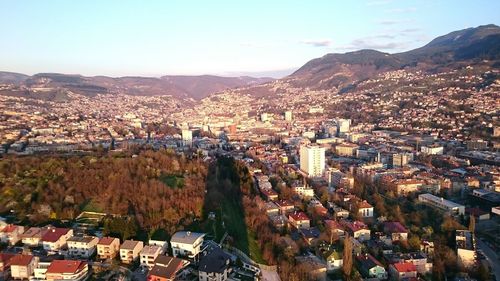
{"points": [[284, 203], [9, 228], [299, 216], [65, 266], [5, 258], [355, 225], [106, 240], [54, 234], [394, 227], [405, 267], [364, 205], [331, 224], [269, 192], [21, 260]]}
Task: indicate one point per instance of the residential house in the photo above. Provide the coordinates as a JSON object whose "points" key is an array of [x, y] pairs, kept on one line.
{"points": [[365, 210], [299, 220], [148, 255], [331, 255], [406, 186], [55, 238], [108, 247], [370, 267], [166, 268], [357, 229], [335, 228], [271, 208], [214, 266], [5, 262], [67, 270], [22, 266], [396, 230], [82, 247], [33, 236], [129, 250], [269, 194], [402, 271], [186, 244], [285, 206], [11, 234]]}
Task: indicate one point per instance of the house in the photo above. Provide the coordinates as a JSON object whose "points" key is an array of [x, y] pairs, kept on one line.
{"points": [[365, 210], [340, 213], [166, 268], [186, 243], [370, 267], [331, 256], [22, 266], [357, 229], [67, 270], [335, 228], [406, 186], [396, 230], [129, 250], [162, 243], [303, 191], [271, 208], [402, 271], [149, 254], [11, 234], [108, 247], [299, 220], [310, 234], [5, 262], [466, 247], [285, 206], [33, 236], [82, 247], [55, 238], [214, 266], [269, 194]]}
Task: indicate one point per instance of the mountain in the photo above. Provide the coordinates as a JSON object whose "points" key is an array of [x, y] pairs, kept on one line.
{"points": [[341, 70], [184, 87]]}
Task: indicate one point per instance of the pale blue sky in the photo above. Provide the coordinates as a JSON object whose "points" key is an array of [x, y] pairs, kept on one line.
{"points": [[153, 38]]}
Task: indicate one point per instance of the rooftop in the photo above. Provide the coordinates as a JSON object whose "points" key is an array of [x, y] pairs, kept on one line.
{"points": [[186, 237], [65, 266]]}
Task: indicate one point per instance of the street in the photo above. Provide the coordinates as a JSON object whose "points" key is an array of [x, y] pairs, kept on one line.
{"points": [[491, 256]]}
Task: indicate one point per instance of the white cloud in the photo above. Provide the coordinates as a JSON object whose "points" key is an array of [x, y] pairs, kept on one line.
{"points": [[317, 43]]}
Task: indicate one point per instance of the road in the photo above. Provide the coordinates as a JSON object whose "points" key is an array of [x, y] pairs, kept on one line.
{"points": [[491, 256], [269, 275]]}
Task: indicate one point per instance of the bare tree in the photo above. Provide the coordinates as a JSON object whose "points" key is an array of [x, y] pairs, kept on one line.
{"points": [[347, 257]]}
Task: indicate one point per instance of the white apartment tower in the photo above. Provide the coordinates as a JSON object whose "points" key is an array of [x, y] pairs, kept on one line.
{"points": [[288, 116], [187, 137], [312, 160]]}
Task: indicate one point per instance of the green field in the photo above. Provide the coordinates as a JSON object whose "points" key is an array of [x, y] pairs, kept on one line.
{"points": [[172, 181]]}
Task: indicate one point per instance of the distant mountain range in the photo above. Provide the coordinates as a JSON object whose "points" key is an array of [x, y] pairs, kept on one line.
{"points": [[179, 86], [332, 71], [340, 70]]}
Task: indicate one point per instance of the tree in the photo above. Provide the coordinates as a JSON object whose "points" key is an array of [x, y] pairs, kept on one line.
{"points": [[347, 258]]}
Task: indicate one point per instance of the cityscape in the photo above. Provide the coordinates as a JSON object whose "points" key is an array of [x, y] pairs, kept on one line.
{"points": [[373, 161]]}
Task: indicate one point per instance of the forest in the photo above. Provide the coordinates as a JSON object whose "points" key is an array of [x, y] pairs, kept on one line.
{"points": [[158, 189]]}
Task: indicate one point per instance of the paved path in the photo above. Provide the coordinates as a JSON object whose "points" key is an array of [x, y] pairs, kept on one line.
{"points": [[491, 256], [268, 275]]}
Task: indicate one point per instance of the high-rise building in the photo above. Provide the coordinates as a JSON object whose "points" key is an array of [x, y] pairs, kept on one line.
{"points": [[343, 126], [288, 116], [312, 160], [264, 117], [187, 137]]}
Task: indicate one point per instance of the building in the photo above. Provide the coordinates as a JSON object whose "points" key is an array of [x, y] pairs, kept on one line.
{"points": [[264, 117], [299, 220], [478, 144], [166, 268], [434, 149], [55, 238], [357, 229], [401, 159], [5, 262], [67, 270], [11, 234], [406, 186], [82, 247], [343, 126], [129, 250], [288, 116], [370, 267], [338, 179], [33, 236], [214, 266], [442, 204], [312, 160], [22, 266], [303, 191], [108, 248], [149, 254], [186, 244], [187, 137], [466, 247], [346, 149], [396, 230], [365, 210], [285, 206], [402, 271]]}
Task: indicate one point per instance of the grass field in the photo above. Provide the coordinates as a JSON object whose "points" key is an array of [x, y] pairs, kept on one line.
{"points": [[172, 181]]}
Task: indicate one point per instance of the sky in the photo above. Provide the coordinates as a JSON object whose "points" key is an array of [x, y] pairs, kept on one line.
{"points": [[258, 37]]}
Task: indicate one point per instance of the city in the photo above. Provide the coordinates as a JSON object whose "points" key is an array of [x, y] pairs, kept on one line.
{"points": [[360, 165]]}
